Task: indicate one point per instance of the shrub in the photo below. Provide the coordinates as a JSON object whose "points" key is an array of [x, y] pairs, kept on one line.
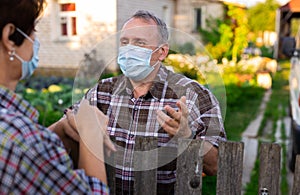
{"points": [[49, 95]]}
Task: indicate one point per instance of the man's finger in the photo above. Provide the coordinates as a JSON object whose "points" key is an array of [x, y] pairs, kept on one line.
{"points": [[182, 106], [172, 112], [164, 118]]}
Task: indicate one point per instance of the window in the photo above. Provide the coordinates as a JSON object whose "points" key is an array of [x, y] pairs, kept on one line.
{"points": [[68, 20], [198, 19]]}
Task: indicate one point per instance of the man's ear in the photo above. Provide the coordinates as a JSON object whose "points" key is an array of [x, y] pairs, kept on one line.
{"points": [[164, 50], [8, 30]]}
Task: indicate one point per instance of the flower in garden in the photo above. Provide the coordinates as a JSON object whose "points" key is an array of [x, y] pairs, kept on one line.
{"points": [[60, 102], [54, 88], [29, 90], [45, 90], [77, 91]]}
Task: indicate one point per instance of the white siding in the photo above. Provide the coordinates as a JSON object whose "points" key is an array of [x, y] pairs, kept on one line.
{"points": [[94, 23], [99, 20], [162, 8]]}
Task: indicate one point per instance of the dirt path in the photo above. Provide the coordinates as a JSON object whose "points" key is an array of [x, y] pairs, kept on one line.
{"points": [[249, 137]]}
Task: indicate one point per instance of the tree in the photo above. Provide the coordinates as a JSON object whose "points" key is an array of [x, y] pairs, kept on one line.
{"points": [[227, 37], [261, 17], [241, 30]]}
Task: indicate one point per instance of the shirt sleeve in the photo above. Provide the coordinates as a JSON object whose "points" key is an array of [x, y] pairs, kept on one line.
{"points": [[47, 169], [205, 116]]}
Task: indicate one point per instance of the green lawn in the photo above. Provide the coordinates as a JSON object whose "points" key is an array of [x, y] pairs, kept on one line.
{"points": [[277, 108], [244, 109]]}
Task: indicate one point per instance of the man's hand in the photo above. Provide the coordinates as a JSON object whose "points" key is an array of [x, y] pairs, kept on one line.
{"points": [[176, 124], [210, 160]]}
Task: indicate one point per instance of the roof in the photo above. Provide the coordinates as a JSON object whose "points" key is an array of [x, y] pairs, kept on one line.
{"points": [[293, 6]]}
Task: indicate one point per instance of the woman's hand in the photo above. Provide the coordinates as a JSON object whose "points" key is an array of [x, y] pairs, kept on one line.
{"points": [[91, 125]]}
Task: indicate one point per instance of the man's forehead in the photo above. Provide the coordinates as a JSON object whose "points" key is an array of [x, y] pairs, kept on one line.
{"points": [[140, 32]]}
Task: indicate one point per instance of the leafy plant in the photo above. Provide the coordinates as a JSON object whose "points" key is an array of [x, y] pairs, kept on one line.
{"points": [[227, 37], [262, 15], [187, 48]]}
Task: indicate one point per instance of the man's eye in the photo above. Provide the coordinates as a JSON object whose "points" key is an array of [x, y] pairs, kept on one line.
{"points": [[141, 43], [124, 43]]}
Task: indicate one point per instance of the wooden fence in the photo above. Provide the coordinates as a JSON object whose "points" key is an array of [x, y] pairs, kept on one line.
{"points": [[230, 169]]}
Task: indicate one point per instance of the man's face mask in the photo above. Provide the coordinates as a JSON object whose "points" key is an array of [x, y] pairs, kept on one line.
{"points": [[28, 67], [134, 61]]}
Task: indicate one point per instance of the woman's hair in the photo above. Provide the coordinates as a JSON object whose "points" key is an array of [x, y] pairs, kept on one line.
{"points": [[162, 27], [23, 14]]}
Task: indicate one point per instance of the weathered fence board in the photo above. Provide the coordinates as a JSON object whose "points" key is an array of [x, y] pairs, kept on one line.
{"points": [[189, 173], [145, 156], [296, 184], [269, 169], [189, 168], [230, 168]]}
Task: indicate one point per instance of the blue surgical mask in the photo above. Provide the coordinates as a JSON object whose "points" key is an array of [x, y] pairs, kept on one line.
{"points": [[28, 67], [134, 62]]}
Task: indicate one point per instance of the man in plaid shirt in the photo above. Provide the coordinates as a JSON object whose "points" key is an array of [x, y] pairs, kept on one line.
{"points": [[33, 160], [149, 100]]}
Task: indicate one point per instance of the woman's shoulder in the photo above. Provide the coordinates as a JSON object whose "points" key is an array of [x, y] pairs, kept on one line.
{"points": [[22, 130]]}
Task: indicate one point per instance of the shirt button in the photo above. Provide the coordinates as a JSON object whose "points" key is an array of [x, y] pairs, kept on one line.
{"points": [[131, 135]]}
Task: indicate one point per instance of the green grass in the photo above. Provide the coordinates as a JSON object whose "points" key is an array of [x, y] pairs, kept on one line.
{"points": [[275, 110], [240, 113], [209, 184], [242, 107]]}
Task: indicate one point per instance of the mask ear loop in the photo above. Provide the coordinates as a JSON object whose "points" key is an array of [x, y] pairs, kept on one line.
{"points": [[12, 53], [156, 49], [154, 52], [25, 35]]}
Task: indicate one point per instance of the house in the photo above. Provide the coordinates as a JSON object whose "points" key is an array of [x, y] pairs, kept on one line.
{"points": [[284, 20], [71, 29]]}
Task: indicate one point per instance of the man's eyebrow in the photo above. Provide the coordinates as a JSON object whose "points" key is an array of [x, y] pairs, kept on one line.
{"points": [[123, 38], [134, 39], [140, 39]]}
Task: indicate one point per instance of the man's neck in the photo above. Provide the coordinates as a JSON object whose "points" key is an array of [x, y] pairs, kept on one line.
{"points": [[140, 89]]}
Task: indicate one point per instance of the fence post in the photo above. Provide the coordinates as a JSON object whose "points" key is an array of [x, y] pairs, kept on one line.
{"points": [[189, 167], [145, 155], [296, 186], [230, 168], [269, 169]]}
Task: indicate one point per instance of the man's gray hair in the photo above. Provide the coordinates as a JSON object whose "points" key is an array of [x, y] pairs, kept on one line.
{"points": [[162, 27]]}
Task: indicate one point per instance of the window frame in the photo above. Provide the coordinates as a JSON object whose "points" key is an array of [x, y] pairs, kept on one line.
{"points": [[198, 19], [67, 18]]}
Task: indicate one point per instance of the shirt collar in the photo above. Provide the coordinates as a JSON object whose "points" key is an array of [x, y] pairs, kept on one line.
{"points": [[13, 102], [124, 87]]}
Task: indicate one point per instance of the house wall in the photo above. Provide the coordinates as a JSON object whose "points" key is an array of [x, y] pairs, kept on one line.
{"points": [[162, 8], [94, 23], [97, 27], [184, 19]]}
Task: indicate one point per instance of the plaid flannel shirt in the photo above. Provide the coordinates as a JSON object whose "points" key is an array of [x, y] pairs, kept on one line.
{"points": [[130, 117], [33, 159]]}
